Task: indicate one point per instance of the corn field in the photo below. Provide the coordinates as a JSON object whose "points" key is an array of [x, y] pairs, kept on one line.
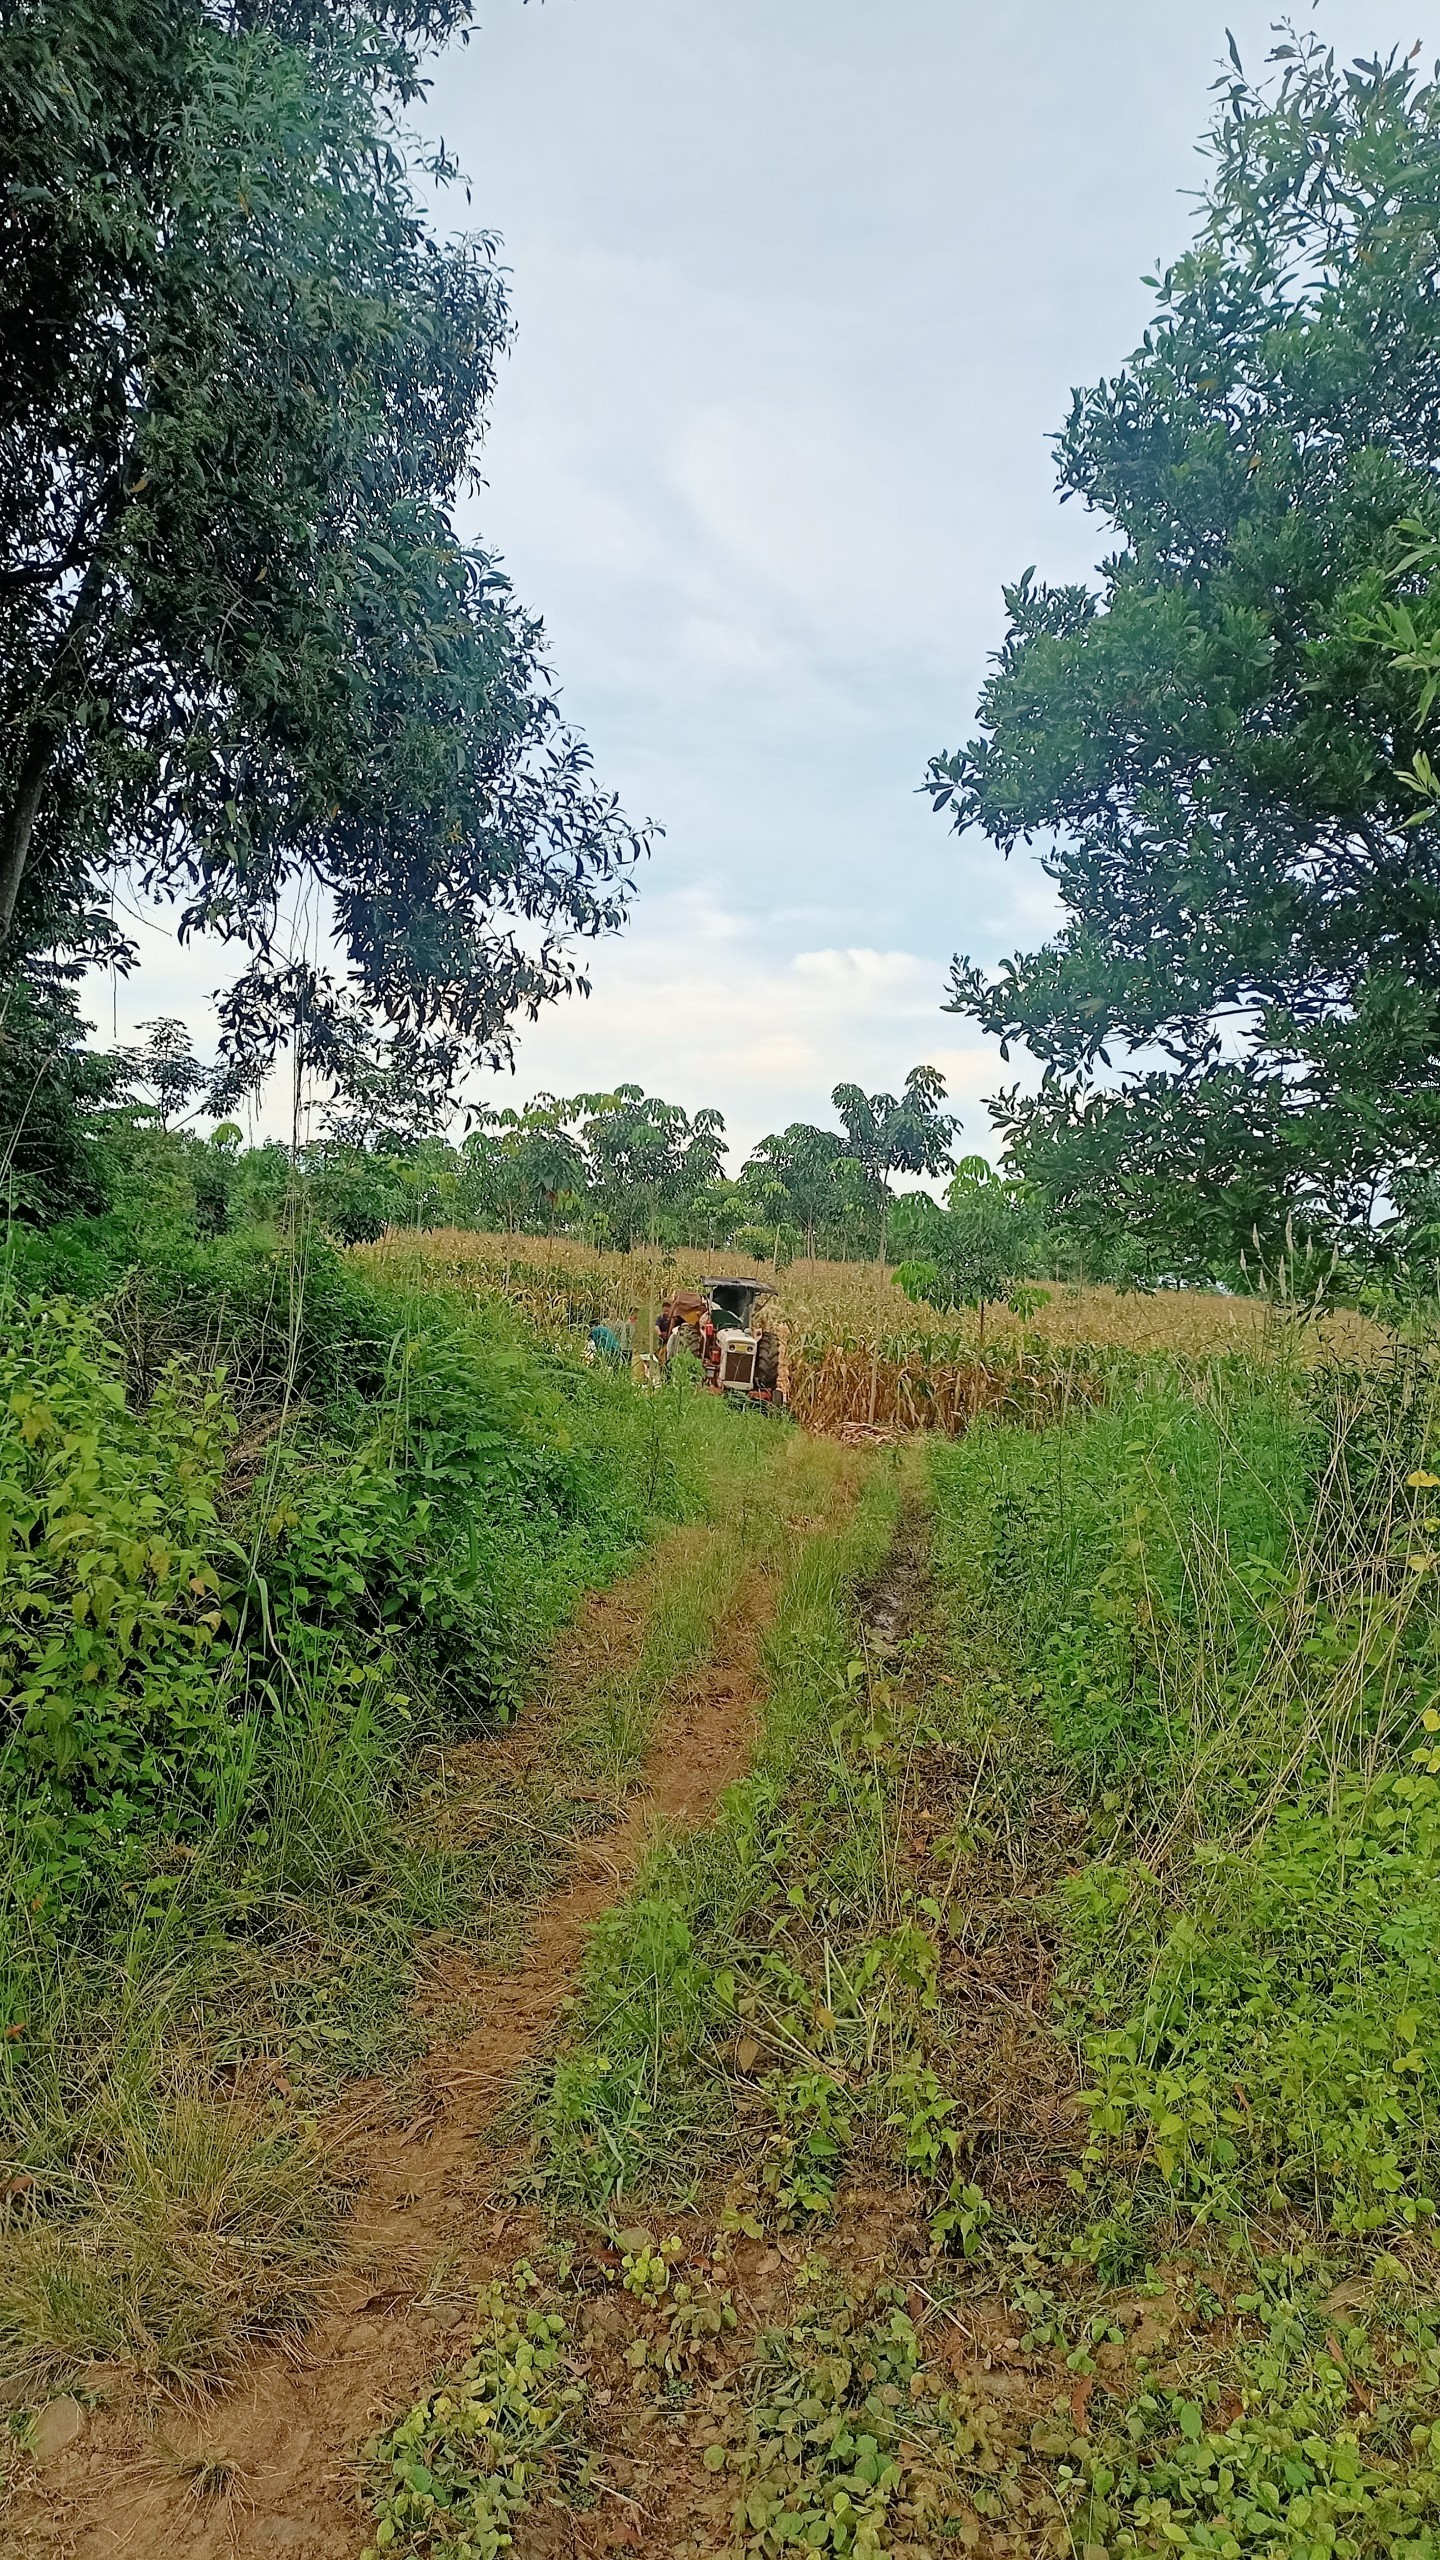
{"points": [[858, 1388], [859, 1357]]}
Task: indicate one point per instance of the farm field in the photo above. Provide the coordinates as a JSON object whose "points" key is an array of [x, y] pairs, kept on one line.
{"points": [[858, 1352], [918, 2034], [559, 1280]]}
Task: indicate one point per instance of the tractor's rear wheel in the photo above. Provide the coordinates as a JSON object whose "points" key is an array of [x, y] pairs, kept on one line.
{"points": [[767, 1364]]}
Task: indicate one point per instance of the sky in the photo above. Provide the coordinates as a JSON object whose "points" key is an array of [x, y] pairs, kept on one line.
{"points": [[801, 289]]}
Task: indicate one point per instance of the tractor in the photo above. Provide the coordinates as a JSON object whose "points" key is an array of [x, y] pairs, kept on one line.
{"points": [[722, 1326]]}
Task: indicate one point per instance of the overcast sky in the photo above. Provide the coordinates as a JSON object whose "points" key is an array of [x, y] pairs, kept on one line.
{"points": [[801, 287]]}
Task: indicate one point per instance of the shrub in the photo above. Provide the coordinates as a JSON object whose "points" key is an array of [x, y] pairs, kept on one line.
{"points": [[114, 1652]]}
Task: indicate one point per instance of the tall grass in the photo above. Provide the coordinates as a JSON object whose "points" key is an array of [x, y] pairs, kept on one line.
{"points": [[1219, 1598], [239, 1619]]}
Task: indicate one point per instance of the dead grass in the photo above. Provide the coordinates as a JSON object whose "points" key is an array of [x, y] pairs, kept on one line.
{"points": [[201, 2229]]}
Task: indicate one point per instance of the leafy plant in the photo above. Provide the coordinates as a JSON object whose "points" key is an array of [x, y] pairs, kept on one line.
{"points": [[1316, 2434], [114, 1643], [977, 1250], [830, 2459], [242, 646], [1219, 1597], [467, 2459]]}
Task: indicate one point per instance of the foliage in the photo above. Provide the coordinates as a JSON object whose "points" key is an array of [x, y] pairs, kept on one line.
{"points": [[168, 1066], [527, 1165], [626, 1167], [244, 656], [113, 1647], [649, 1161], [623, 1167], [269, 1532], [1225, 1602], [462, 2463], [53, 1091], [1317, 2433], [976, 1251], [887, 1134], [404, 1545], [830, 2462], [809, 1184], [1238, 1018]]}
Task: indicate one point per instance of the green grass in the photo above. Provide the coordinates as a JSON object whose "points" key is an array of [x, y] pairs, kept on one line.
{"points": [[1206, 1620], [1219, 1611], [242, 1637], [767, 1978], [1157, 1728]]}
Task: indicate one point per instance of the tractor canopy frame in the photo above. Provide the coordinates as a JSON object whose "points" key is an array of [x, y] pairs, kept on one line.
{"points": [[735, 1303]]}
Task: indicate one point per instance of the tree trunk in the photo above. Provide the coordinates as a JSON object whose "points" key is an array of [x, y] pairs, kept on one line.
{"points": [[47, 726], [20, 821]]}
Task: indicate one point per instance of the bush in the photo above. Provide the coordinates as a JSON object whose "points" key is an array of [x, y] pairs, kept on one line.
{"points": [[114, 1650], [268, 1498]]}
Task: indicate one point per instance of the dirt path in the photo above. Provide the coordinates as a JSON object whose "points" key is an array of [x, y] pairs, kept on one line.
{"points": [[272, 2468]]}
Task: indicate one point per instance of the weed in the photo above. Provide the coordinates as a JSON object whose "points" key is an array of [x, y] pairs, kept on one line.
{"points": [[236, 1639], [463, 2463], [1314, 2430], [1210, 1592], [195, 2231], [210, 2480]]}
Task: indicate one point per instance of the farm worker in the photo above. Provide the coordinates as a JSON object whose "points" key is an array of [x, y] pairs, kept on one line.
{"points": [[605, 1344], [678, 1325]]}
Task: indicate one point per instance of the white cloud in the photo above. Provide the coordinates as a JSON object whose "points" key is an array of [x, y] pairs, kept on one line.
{"points": [[697, 1001], [697, 1004], [800, 294]]}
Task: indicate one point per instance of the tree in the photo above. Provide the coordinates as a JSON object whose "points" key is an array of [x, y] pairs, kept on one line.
{"points": [[53, 1091], [244, 657], [887, 1134], [383, 1097], [168, 1066], [806, 1180], [650, 1163], [977, 1250], [1239, 1020], [529, 1165]]}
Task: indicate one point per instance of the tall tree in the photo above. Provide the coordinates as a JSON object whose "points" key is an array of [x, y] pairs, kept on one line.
{"points": [[1239, 1019], [166, 1067], [808, 1179], [650, 1163], [244, 656], [887, 1133], [530, 1164]]}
